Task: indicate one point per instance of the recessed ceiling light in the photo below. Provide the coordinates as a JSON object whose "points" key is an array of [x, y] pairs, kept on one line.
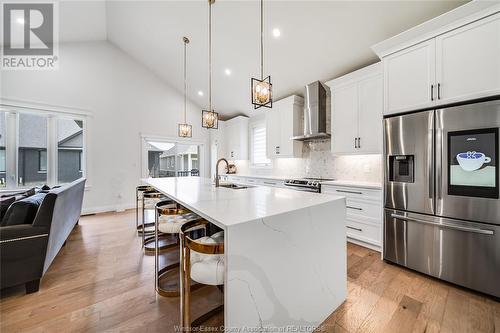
{"points": [[276, 32], [20, 20], [227, 71], [200, 93]]}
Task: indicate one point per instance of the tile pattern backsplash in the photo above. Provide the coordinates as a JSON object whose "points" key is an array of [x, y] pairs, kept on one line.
{"points": [[318, 161]]}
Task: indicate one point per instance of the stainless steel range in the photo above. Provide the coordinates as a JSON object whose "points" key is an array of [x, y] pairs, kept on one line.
{"points": [[306, 184], [442, 207]]}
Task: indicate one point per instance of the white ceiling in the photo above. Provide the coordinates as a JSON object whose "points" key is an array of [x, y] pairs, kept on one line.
{"points": [[320, 40]]}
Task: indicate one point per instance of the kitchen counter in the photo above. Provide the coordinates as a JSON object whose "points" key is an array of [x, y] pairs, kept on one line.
{"points": [[285, 251], [353, 183]]}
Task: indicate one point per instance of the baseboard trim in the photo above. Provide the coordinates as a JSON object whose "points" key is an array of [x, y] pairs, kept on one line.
{"points": [[107, 209]]}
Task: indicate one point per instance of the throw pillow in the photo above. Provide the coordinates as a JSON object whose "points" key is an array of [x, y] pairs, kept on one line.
{"points": [[23, 211]]}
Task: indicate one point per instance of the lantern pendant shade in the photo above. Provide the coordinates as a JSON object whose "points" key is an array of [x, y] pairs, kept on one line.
{"points": [[262, 93], [185, 130], [209, 119]]}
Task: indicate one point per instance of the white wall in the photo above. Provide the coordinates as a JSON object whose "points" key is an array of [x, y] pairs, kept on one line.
{"points": [[125, 100]]}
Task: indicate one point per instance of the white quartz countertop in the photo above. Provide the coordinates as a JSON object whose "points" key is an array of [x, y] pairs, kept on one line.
{"points": [[353, 183], [226, 207]]}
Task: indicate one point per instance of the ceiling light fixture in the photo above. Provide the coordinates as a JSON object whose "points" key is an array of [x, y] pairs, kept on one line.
{"points": [[262, 90], [276, 32], [210, 118], [185, 130], [227, 71], [200, 93]]}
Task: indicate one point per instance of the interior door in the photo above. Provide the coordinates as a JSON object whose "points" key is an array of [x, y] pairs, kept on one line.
{"points": [[467, 162], [370, 115], [409, 162], [345, 119], [468, 61], [409, 77]]}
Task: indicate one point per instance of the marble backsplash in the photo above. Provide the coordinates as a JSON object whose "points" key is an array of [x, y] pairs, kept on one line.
{"points": [[318, 161]]}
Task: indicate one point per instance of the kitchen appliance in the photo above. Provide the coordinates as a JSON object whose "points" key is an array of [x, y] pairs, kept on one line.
{"points": [[316, 113], [442, 207], [306, 184]]}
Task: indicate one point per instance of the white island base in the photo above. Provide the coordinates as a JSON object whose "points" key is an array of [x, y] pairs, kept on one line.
{"points": [[285, 252]]}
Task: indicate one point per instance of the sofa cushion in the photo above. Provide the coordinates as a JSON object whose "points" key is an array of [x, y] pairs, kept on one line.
{"points": [[23, 211], [5, 204]]}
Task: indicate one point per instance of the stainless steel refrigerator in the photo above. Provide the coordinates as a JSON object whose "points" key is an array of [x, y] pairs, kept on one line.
{"points": [[442, 207]]}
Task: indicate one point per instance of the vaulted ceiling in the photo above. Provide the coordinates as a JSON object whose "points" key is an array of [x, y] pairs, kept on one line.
{"points": [[320, 40]]}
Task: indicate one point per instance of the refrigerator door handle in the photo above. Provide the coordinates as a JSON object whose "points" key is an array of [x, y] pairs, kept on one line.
{"points": [[439, 159], [430, 159], [445, 225]]}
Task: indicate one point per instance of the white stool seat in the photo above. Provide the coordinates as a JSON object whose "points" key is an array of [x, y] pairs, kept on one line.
{"points": [[150, 203], [208, 268], [171, 224]]}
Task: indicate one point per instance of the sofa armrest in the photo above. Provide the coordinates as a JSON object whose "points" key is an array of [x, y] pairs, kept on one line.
{"points": [[22, 232]]}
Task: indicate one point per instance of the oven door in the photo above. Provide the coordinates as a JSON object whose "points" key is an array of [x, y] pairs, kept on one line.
{"points": [[460, 252], [467, 158]]}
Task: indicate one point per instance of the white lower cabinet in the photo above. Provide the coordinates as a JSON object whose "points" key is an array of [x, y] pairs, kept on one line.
{"points": [[364, 214]]}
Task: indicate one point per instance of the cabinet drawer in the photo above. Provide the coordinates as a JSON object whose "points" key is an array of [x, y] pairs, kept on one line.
{"points": [[353, 192], [367, 233], [366, 208]]}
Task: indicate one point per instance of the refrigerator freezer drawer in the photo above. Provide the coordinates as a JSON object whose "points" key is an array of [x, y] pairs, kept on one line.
{"points": [[464, 253]]}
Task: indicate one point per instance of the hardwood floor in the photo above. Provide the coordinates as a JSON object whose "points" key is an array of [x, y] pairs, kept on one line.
{"points": [[101, 281]]}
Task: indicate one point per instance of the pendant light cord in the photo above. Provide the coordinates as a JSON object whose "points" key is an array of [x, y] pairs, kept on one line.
{"points": [[261, 39], [185, 80], [210, 55]]}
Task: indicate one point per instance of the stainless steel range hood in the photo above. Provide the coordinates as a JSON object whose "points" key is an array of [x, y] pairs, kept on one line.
{"points": [[316, 113]]}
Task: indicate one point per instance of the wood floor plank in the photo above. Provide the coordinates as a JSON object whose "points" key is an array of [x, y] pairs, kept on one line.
{"points": [[404, 318]]}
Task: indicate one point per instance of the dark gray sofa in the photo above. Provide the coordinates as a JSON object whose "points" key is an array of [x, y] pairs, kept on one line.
{"points": [[27, 250]]}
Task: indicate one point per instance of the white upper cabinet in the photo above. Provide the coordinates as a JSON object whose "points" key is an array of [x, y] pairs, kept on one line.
{"points": [[468, 61], [236, 138], [344, 119], [409, 77], [452, 58], [283, 122], [370, 108], [357, 111]]}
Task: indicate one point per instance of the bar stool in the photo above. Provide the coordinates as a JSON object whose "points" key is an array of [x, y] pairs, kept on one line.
{"points": [[150, 238], [149, 200], [139, 191], [169, 220], [203, 262]]}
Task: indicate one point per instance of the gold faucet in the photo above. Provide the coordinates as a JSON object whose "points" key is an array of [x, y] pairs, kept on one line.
{"points": [[217, 170]]}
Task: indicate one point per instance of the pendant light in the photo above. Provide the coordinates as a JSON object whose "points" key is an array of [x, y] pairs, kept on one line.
{"points": [[185, 130], [210, 118], [262, 90]]}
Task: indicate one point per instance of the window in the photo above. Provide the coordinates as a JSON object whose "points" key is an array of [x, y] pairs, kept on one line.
{"points": [[171, 159], [32, 150], [40, 147], [69, 150], [42, 161], [258, 145]]}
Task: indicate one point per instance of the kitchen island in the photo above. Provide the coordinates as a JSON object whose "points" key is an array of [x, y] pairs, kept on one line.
{"points": [[285, 251]]}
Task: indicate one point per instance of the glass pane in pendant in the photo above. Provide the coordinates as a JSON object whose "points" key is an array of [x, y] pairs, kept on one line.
{"points": [[185, 130], [262, 92], [210, 119]]}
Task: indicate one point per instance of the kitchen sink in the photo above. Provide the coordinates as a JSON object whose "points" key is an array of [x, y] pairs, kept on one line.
{"points": [[235, 186]]}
